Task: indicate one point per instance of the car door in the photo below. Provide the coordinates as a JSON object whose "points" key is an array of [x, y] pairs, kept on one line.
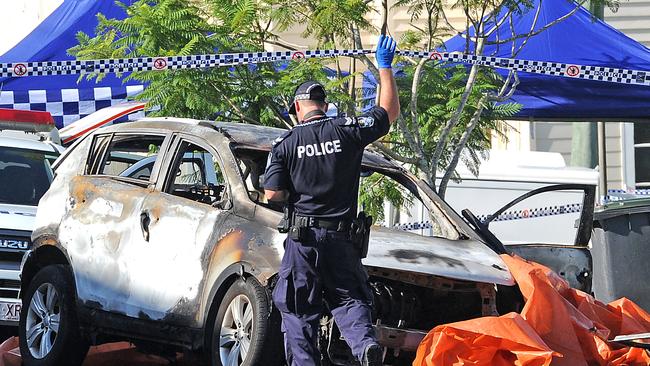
{"points": [[537, 217], [178, 220], [104, 208]]}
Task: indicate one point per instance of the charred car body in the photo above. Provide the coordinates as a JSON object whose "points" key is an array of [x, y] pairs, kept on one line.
{"points": [[156, 232]]}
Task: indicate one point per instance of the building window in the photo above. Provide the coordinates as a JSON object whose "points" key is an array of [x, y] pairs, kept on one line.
{"points": [[642, 154]]}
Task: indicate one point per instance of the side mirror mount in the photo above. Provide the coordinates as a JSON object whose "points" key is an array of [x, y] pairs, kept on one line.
{"points": [[224, 202], [365, 173], [219, 196], [255, 196]]}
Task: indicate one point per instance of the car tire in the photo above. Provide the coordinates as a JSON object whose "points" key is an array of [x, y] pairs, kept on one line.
{"points": [[245, 329], [50, 297]]}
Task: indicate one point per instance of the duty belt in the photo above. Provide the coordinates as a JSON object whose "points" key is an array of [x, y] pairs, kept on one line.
{"points": [[329, 224]]}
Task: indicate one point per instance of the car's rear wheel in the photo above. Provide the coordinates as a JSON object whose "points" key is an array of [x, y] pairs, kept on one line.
{"points": [[48, 328], [243, 332]]}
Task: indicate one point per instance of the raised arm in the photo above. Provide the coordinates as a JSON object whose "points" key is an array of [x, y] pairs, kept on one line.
{"points": [[388, 97]]}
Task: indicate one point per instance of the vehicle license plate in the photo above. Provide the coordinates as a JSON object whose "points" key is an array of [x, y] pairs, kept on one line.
{"points": [[10, 310]]}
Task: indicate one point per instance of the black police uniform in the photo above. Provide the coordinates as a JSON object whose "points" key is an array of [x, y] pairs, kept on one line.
{"points": [[318, 162]]}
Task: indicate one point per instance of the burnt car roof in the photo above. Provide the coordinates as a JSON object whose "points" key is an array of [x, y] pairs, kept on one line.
{"points": [[247, 135]]}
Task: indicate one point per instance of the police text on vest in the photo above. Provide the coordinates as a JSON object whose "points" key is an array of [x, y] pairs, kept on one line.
{"points": [[323, 148]]}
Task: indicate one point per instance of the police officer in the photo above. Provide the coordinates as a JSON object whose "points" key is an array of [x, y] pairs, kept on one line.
{"points": [[315, 168]]}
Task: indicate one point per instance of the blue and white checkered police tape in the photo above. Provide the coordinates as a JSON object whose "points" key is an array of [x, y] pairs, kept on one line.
{"points": [[599, 73], [614, 195], [508, 216]]}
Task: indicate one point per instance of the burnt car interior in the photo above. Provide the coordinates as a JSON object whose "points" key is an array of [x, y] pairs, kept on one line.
{"points": [[197, 176], [252, 164]]}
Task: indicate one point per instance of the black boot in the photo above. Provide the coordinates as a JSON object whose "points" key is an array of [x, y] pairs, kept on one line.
{"points": [[373, 355]]}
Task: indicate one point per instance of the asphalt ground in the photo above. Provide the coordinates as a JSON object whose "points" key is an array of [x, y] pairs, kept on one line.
{"points": [[111, 354]]}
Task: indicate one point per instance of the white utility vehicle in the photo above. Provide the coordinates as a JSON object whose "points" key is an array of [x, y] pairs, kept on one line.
{"points": [[28, 147]]}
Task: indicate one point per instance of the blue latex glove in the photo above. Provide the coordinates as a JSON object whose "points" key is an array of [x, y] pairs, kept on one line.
{"points": [[385, 51]]}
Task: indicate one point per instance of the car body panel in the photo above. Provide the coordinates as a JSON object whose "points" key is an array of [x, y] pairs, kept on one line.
{"points": [[459, 259], [572, 262]]}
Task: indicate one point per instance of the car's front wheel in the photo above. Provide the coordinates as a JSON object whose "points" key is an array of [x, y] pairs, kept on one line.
{"points": [[48, 328], [244, 332]]}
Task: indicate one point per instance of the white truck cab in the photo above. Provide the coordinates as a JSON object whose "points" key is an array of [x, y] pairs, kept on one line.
{"points": [[28, 147]]}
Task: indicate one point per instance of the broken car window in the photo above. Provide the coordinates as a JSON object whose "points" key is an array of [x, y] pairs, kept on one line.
{"points": [[397, 205], [196, 175], [131, 156], [252, 164]]}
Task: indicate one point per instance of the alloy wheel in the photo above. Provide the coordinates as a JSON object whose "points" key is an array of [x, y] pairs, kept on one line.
{"points": [[43, 319], [236, 331]]}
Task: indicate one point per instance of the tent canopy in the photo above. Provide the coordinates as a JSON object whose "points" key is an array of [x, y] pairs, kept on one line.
{"points": [[63, 96], [579, 39]]}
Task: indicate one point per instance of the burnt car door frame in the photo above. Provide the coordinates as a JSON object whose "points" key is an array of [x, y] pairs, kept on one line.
{"points": [[585, 224], [87, 290], [213, 218], [573, 261]]}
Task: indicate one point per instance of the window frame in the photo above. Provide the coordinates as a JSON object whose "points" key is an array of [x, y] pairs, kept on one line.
{"points": [[155, 172], [165, 173], [638, 146]]}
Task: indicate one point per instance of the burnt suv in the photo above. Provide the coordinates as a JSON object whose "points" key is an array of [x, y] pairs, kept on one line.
{"points": [[157, 232]]}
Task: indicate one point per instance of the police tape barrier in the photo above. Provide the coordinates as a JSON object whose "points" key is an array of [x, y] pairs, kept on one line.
{"points": [[550, 68], [617, 195], [508, 216]]}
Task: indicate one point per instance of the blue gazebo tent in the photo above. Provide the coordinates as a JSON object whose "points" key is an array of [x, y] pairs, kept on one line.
{"points": [[63, 96], [580, 39]]}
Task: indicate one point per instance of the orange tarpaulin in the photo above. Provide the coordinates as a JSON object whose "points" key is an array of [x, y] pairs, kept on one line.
{"points": [[558, 326]]}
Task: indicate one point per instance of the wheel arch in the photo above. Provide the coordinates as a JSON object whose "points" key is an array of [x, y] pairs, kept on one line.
{"points": [[221, 285], [44, 255]]}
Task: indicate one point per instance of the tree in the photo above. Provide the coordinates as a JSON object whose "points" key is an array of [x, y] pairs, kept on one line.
{"points": [[448, 111], [434, 135]]}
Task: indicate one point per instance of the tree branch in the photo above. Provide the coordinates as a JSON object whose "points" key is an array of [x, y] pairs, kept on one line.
{"points": [[422, 162], [234, 106], [455, 118], [392, 154], [413, 106], [545, 27], [356, 36], [384, 18], [278, 115], [441, 10], [460, 146], [281, 44], [508, 89]]}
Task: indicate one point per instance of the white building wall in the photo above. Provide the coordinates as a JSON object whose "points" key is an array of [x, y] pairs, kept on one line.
{"points": [[557, 137], [632, 18], [19, 17]]}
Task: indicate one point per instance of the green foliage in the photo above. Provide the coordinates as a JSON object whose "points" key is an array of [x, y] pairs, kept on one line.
{"points": [[242, 93], [258, 94], [376, 189], [326, 21]]}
